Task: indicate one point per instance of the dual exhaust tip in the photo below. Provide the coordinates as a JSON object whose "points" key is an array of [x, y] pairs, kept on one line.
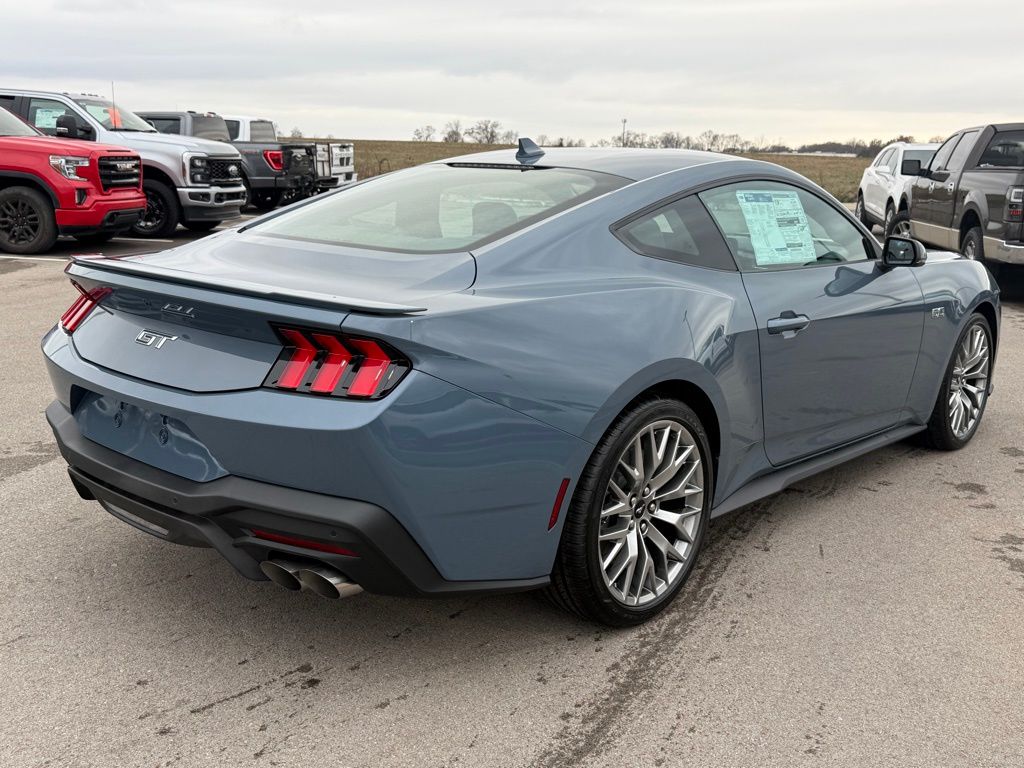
{"points": [[322, 579]]}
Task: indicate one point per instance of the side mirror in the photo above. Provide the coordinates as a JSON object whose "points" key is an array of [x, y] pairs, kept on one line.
{"points": [[911, 168], [903, 252], [67, 127]]}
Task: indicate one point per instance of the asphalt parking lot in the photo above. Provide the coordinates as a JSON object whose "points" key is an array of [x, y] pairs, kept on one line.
{"points": [[870, 616]]}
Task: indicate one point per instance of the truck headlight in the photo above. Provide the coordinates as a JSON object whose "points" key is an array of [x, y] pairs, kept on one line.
{"points": [[68, 165], [198, 170]]}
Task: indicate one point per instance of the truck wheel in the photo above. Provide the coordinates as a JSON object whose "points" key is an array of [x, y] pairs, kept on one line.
{"points": [[27, 223], [162, 213], [973, 247], [860, 213], [247, 195], [266, 201], [898, 225], [201, 226]]}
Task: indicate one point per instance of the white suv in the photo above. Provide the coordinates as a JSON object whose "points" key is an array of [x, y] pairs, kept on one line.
{"points": [[884, 191]]}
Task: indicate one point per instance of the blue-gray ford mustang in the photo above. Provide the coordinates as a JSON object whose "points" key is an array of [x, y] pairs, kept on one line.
{"points": [[511, 370]]}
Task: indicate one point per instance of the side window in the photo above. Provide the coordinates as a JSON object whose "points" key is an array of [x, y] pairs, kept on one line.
{"points": [[43, 114], [681, 231], [963, 149], [7, 102], [943, 153], [771, 226], [166, 124], [883, 159], [1005, 150], [232, 129], [894, 161]]}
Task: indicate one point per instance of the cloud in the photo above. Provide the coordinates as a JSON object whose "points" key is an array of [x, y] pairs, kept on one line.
{"points": [[789, 69]]}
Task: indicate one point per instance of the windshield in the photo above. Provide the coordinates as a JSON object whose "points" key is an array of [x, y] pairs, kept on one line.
{"points": [[13, 126], [262, 130], [210, 127], [114, 118], [439, 208]]}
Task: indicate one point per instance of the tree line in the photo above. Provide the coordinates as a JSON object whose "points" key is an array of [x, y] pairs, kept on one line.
{"points": [[492, 132]]}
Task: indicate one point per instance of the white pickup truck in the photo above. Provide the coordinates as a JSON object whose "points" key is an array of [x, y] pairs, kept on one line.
{"points": [[335, 161]]}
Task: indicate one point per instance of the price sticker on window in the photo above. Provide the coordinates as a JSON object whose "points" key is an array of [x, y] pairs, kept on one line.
{"points": [[777, 223]]}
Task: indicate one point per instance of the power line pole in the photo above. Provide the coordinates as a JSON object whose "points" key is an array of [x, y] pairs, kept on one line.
{"points": [[623, 131]]}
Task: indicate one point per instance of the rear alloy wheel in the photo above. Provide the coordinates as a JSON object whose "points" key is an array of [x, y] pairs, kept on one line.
{"points": [[162, 213], [898, 225], [27, 223], [638, 516], [964, 392]]}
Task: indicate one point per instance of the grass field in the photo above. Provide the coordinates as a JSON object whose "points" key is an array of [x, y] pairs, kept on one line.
{"points": [[839, 175]]}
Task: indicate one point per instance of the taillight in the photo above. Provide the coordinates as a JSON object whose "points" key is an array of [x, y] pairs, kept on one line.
{"points": [[1015, 204], [83, 305], [335, 365], [274, 158]]}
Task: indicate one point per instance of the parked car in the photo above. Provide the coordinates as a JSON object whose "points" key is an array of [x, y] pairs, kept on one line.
{"points": [[884, 189], [335, 160], [510, 370], [186, 180], [970, 196], [270, 170], [51, 187]]}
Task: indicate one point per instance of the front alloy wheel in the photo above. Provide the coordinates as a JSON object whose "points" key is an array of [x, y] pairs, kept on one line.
{"points": [[964, 393]]}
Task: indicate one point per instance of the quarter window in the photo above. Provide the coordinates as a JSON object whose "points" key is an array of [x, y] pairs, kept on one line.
{"points": [[883, 159], [681, 231], [772, 226]]}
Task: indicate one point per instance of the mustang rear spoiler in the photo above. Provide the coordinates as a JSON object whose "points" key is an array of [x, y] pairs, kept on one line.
{"points": [[82, 265]]}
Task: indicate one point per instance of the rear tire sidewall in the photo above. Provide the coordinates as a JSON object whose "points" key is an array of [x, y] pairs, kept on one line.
{"points": [[613, 612], [896, 220], [46, 233], [860, 212], [157, 191], [939, 426]]}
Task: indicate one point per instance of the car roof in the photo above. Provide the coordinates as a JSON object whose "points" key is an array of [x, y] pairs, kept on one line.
{"points": [[630, 163]]}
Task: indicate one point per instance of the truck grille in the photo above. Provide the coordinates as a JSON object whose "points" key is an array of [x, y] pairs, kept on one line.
{"points": [[225, 171], [118, 171]]}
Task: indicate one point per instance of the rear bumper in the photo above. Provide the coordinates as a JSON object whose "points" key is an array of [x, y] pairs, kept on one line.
{"points": [[1000, 250], [222, 513]]}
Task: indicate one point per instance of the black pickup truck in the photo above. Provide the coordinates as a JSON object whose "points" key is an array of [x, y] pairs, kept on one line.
{"points": [[271, 171], [970, 197]]}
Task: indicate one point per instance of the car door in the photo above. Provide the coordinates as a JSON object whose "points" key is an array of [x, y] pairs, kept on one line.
{"points": [[923, 225], [43, 113], [947, 182], [874, 200], [839, 335]]}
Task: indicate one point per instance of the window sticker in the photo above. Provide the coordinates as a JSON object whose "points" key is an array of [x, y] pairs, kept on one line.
{"points": [[47, 118], [779, 232]]}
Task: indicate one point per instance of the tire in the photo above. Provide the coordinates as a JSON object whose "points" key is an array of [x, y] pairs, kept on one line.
{"points": [[900, 222], [266, 201], [96, 238], [247, 199], [162, 213], [973, 247], [861, 213], [579, 583], [201, 226], [27, 222], [943, 433]]}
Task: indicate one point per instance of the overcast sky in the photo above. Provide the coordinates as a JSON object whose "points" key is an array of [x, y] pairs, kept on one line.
{"points": [[791, 70]]}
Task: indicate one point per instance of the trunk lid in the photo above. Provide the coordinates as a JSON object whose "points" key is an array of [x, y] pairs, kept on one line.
{"points": [[202, 317]]}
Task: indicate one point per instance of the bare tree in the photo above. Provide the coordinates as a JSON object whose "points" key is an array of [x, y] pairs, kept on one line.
{"points": [[296, 133], [543, 140], [426, 133], [484, 131], [509, 137], [452, 132]]}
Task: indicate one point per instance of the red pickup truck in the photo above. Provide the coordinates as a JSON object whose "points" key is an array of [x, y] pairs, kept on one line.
{"points": [[51, 187]]}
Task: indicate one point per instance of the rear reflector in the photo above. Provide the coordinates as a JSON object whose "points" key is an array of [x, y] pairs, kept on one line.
{"points": [[557, 508], [82, 306], [295, 541], [335, 365]]}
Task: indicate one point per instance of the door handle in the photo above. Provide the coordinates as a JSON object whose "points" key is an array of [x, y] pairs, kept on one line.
{"points": [[789, 324], [931, 186], [949, 187]]}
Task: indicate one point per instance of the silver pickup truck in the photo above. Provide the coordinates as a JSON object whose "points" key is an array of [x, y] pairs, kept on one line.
{"points": [[187, 180]]}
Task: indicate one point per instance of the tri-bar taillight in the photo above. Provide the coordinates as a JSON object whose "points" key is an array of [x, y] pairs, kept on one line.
{"points": [[330, 364], [84, 304]]}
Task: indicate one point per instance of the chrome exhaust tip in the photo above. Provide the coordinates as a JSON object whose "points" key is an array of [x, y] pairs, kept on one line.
{"points": [[284, 573], [327, 582]]}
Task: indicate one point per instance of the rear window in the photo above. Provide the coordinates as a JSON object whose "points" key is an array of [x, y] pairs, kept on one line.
{"points": [[439, 208], [1005, 150], [262, 130]]}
